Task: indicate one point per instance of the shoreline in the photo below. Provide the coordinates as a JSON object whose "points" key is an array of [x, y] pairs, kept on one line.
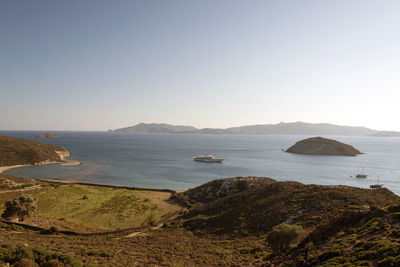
{"points": [[70, 163], [61, 163], [80, 182]]}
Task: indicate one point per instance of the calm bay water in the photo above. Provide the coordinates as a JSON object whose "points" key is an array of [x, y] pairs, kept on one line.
{"points": [[165, 160]]}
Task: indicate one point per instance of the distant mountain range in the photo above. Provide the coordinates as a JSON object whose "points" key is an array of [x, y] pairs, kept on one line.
{"points": [[291, 128]]}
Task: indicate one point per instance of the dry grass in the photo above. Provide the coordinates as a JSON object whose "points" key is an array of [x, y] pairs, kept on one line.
{"points": [[81, 207]]}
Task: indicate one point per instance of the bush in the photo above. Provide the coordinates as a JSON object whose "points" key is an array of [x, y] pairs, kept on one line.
{"points": [[24, 262], [53, 263], [21, 207], [99, 252], [282, 235], [11, 227], [389, 261], [333, 253], [18, 256], [51, 231]]}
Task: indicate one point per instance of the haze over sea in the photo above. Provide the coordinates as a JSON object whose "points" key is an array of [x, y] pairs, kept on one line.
{"points": [[165, 160]]}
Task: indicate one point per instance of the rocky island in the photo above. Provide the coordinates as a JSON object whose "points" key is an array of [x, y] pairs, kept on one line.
{"points": [[323, 146], [47, 135]]}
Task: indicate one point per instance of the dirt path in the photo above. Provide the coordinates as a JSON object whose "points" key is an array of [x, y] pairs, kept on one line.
{"points": [[158, 226], [22, 189]]}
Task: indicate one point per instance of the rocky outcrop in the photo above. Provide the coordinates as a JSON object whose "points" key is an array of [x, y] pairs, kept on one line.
{"points": [[63, 154], [220, 188], [323, 146]]}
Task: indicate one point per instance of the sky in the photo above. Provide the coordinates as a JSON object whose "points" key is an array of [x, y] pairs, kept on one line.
{"points": [[98, 65]]}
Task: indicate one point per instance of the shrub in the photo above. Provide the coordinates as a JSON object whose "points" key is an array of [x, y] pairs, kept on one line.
{"points": [[11, 227], [389, 261], [51, 231], [282, 235], [21, 207], [24, 262], [333, 253], [53, 263], [100, 252]]}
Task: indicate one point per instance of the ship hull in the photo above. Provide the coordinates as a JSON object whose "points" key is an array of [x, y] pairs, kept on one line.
{"points": [[209, 160]]}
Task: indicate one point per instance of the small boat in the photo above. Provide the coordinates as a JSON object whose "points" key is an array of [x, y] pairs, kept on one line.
{"points": [[376, 186], [208, 158], [362, 174]]}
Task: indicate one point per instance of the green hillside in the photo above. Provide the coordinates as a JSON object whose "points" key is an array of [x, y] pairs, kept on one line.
{"points": [[258, 209], [15, 151]]}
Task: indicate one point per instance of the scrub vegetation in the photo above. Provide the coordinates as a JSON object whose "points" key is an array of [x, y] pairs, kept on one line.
{"points": [[239, 225]]}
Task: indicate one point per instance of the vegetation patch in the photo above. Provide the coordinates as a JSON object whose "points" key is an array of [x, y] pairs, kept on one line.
{"points": [[99, 208], [24, 256], [260, 208], [8, 182]]}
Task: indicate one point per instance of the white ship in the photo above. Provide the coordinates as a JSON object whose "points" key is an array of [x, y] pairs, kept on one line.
{"points": [[208, 158]]}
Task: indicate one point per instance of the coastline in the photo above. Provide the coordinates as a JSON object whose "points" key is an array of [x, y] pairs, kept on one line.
{"points": [[70, 163], [62, 163], [79, 182]]}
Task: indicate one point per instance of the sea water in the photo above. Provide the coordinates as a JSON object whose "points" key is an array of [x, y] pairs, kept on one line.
{"points": [[165, 160]]}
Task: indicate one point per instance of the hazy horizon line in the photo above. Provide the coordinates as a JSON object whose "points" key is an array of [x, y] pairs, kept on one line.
{"points": [[182, 124]]}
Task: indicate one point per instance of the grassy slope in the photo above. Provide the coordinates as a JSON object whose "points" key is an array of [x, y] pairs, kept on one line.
{"points": [[15, 151], [104, 208]]}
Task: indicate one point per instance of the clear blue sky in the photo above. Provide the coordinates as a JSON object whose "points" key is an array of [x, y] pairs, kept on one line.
{"points": [[95, 65]]}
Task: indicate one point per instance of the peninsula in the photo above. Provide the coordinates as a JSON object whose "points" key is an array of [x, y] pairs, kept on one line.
{"points": [[15, 152], [322, 146]]}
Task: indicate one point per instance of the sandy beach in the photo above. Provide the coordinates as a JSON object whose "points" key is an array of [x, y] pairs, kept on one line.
{"points": [[70, 163], [62, 163]]}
